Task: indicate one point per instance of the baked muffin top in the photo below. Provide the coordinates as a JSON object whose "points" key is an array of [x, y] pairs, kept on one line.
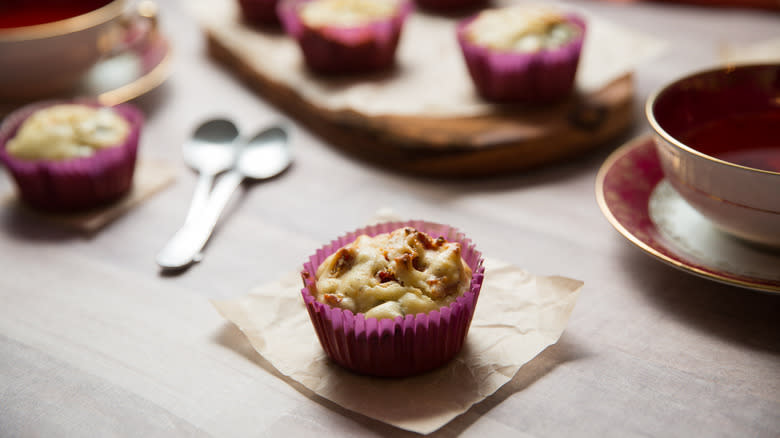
{"points": [[346, 13], [393, 274], [65, 131], [522, 28]]}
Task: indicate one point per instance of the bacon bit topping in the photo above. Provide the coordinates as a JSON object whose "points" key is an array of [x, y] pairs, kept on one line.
{"points": [[435, 285], [332, 299], [440, 288], [385, 276], [428, 242], [342, 263], [417, 263]]}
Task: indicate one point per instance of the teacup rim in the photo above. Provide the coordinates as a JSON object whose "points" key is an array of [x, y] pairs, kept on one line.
{"points": [[66, 26], [651, 99]]}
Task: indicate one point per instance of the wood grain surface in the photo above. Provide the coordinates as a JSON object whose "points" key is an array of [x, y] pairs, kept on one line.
{"points": [[511, 139]]}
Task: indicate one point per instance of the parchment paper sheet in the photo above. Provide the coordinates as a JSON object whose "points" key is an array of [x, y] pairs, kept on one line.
{"points": [[518, 315], [430, 79], [150, 177]]}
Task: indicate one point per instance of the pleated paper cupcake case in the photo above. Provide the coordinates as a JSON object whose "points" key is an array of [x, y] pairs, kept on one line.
{"points": [[74, 184], [401, 346]]}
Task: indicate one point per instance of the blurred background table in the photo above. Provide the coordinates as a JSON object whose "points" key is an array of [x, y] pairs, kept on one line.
{"points": [[95, 342]]}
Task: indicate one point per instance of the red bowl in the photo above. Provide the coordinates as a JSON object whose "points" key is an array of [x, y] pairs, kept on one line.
{"points": [[717, 134]]}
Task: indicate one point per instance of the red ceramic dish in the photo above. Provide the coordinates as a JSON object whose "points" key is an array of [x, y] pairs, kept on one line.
{"points": [[78, 183], [625, 189], [343, 50], [530, 77], [718, 138], [401, 346]]}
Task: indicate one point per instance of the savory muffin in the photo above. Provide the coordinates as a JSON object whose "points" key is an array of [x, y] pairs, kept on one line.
{"points": [[522, 53], [347, 13], [521, 29], [67, 156], [393, 299], [393, 274], [345, 36], [65, 131]]}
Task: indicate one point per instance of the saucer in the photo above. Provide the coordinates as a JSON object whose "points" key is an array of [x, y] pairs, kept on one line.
{"points": [[129, 74], [122, 77], [642, 206]]}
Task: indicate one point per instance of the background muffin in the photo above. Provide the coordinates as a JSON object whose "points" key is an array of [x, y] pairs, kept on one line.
{"points": [[522, 53], [64, 159], [345, 36], [401, 345]]}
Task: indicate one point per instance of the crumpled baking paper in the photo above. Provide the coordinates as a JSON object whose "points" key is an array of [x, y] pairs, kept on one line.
{"points": [[431, 78], [518, 315], [150, 177]]}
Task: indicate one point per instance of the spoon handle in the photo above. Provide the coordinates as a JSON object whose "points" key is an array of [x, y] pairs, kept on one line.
{"points": [[186, 244], [201, 195]]}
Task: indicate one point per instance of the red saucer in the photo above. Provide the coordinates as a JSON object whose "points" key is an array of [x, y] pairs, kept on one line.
{"points": [[642, 206]]}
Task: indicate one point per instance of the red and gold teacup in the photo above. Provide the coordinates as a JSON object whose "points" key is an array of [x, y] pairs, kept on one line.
{"points": [[717, 134], [46, 46]]}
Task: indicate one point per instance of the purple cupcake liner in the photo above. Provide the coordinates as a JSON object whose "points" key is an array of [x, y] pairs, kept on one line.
{"points": [[74, 184], [539, 77], [342, 50], [393, 347], [262, 12]]}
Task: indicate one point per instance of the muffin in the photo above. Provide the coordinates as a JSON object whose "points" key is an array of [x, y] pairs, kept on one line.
{"points": [[259, 12], [345, 36], [71, 156], [394, 299], [522, 53]]}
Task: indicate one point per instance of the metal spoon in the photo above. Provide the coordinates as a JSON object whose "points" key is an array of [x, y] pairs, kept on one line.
{"points": [[264, 156], [211, 151]]}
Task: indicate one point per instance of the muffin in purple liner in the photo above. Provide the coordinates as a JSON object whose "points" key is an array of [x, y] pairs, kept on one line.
{"points": [[345, 36], [522, 53], [55, 171], [260, 12], [394, 344]]}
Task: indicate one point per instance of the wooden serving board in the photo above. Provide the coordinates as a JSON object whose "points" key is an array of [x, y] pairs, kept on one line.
{"points": [[510, 139]]}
